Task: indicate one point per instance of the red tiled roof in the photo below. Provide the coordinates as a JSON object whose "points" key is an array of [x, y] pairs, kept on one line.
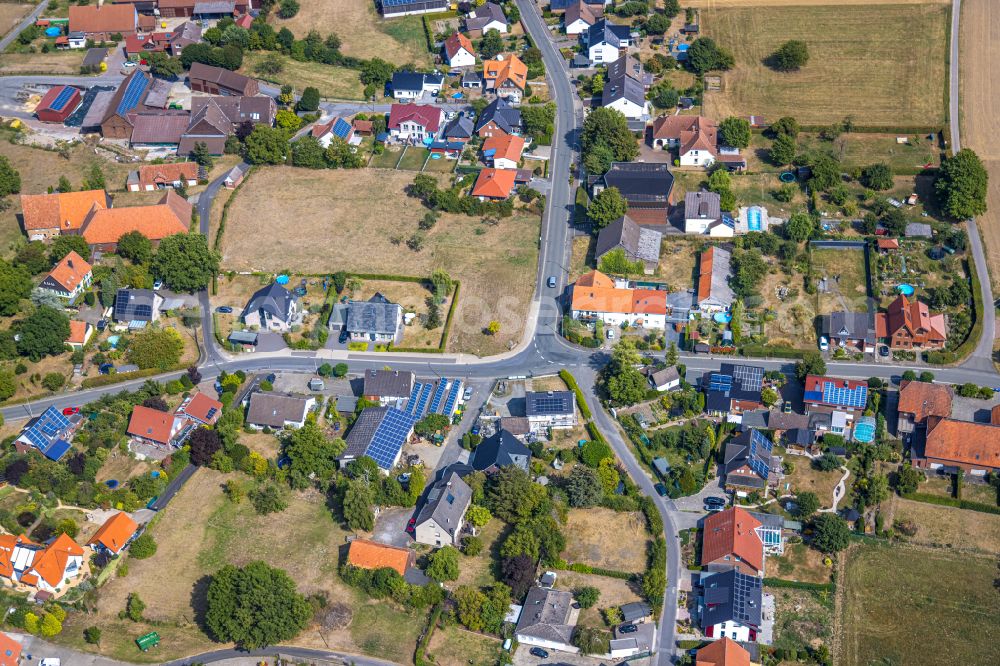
{"points": [[705, 273], [494, 183], [506, 146], [732, 533], [915, 318], [161, 174], [104, 18], [115, 532], [963, 442], [723, 652], [508, 69], [171, 216], [50, 564], [70, 271], [199, 407], [151, 424], [888, 244], [65, 211], [456, 41], [923, 399], [10, 651], [367, 554], [77, 332], [429, 117]]}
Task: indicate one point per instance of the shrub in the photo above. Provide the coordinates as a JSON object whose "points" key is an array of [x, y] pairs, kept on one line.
{"points": [[143, 547]]}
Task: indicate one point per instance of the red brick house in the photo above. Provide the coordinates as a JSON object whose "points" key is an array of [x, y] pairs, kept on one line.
{"points": [[951, 445], [909, 325], [218, 81]]}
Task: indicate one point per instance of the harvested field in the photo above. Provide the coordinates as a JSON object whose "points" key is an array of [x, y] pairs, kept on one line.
{"points": [[851, 65], [11, 14], [799, 562], [56, 62], [947, 526], [890, 590], [331, 81], [711, 4], [363, 32], [607, 539], [364, 218], [455, 646], [980, 51]]}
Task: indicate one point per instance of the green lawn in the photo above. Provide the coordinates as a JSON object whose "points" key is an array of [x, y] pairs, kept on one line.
{"points": [[844, 270], [413, 159], [382, 629], [387, 160], [441, 166], [908, 605]]}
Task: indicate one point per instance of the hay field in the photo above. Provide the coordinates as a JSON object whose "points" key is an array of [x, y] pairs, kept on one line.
{"points": [[880, 64], [980, 77], [362, 30], [359, 221]]}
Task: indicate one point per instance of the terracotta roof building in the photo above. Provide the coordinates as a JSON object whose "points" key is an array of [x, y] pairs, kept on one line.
{"points": [[35, 565], [99, 22], [919, 400], [723, 652], [48, 215], [713, 293], [219, 81], [160, 176], [154, 426], [79, 333], [494, 184], [596, 296], [459, 51], [909, 325], [506, 76], [115, 534], [503, 151], [730, 540], [69, 278], [201, 408], [103, 227], [366, 554], [10, 651], [953, 445]]}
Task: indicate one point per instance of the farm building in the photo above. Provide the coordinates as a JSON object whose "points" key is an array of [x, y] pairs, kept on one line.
{"points": [[393, 8], [57, 104]]}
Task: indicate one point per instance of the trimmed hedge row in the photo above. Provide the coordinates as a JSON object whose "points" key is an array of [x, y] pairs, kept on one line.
{"points": [[595, 434], [768, 351], [570, 380], [418, 656], [563, 565], [952, 502], [799, 585], [117, 378]]}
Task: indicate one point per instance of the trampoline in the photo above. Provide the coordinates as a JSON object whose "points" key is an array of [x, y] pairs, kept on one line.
{"points": [[906, 289], [787, 177], [281, 279]]}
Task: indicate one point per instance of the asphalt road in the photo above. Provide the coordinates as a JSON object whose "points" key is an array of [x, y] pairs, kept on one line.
{"points": [[28, 20]]}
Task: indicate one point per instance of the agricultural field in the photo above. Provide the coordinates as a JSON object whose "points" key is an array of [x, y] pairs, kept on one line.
{"points": [[331, 81], [366, 216], [887, 591], [362, 30], [949, 527], [201, 532], [56, 62], [606, 539], [980, 123], [851, 66], [11, 14]]}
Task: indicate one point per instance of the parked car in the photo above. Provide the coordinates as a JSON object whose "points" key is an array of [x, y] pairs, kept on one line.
{"points": [[106, 368], [883, 351], [158, 285], [551, 282], [788, 407], [610, 334], [539, 652], [70, 411], [468, 394], [824, 344], [343, 336], [628, 629], [661, 489], [101, 325], [224, 309], [715, 501]]}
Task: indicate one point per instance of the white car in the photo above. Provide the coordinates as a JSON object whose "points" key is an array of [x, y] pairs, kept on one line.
{"points": [[824, 344], [51, 661]]}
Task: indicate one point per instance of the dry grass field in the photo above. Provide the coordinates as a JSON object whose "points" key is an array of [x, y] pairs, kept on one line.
{"points": [[890, 591], [11, 14], [363, 32], [202, 531], [604, 538], [846, 279], [56, 62], [799, 562], [713, 4], [880, 64], [455, 646], [359, 220], [332, 82], [678, 263], [980, 51], [614, 592], [806, 478], [946, 526]]}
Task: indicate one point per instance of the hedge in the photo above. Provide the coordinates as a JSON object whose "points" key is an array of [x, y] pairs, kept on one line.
{"points": [[799, 585], [769, 351], [595, 434], [418, 656], [570, 380], [597, 571], [107, 380], [225, 209], [952, 502]]}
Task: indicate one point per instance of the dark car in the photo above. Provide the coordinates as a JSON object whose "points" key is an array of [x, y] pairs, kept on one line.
{"points": [[551, 282], [343, 336], [883, 351], [788, 407], [661, 489], [101, 325], [539, 652], [715, 501], [224, 309], [628, 629], [106, 368]]}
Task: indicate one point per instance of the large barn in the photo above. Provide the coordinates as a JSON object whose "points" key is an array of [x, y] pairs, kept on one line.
{"points": [[392, 8]]}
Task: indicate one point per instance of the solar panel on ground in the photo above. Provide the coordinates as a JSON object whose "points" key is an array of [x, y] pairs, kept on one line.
{"points": [[411, 402], [59, 103], [449, 405], [136, 86], [438, 395]]}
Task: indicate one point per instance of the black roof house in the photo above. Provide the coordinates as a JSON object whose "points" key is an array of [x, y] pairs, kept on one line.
{"points": [[623, 86], [548, 403], [136, 305], [499, 450], [461, 127], [641, 183], [750, 449], [605, 32], [376, 316], [503, 113], [273, 300], [732, 382], [732, 596]]}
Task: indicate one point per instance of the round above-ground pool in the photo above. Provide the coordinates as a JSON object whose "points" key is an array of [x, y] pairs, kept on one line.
{"points": [[281, 279], [111, 483], [722, 317], [906, 289], [787, 177]]}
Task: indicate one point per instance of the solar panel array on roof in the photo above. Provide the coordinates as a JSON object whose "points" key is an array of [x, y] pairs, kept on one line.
{"points": [[750, 377], [136, 86], [411, 402], [760, 453], [389, 437], [211, 412], [438, 396], [450, 403], [341, 128], [842, 395], [124, 308], [548, 405], [45, 433], [59, 103], [425, 395], [745, 598], [719, 382]]}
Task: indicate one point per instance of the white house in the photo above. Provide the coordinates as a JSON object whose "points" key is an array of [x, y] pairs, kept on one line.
{"points": [[666, 379], [277, 411], [69, 278], [731, 605], [458, 51], [551, 409], [547, 620], [414, 122], [580, 16], [596, 297], [46, 568], [440, 520], [702, 211], [272, 308], [412, 85], [485, 18], [627, 95], [606, 42]]}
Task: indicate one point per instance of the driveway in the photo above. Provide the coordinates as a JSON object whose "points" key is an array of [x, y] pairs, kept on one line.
{"points": [[390, 526], [696, 502], [38, 649]]}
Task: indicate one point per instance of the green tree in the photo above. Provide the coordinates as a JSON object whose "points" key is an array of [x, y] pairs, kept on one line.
{"points": [[583, 487], [135, 247], [799, 227], [33, 258], [254, 606], [607, 207], [92, 635], [10, 178], [51, 626], [811, 363], [442, 564], [378, 72], [143, 547], [162, 65], [606, 138], [288, 8], [961, 185], [735, 132], [134, 607], [307, 152], [806, 504], [825, 172], [95, 178], [908, 480], [63, 245], [43, 333], [309, 101], [790, 56], [311, 455], [587, 596], [185, 262], [491, 45], [287, 120], [478, 516], [53, 381], [784, 125], [663, 95], [512, 496], [155, 347], [748, 271], [705, 55], [266, 145], [783, 149], [358, 500], [268, 498], [431, 424], [831, 534], [877, 177], [201, 155], [591, 640]]}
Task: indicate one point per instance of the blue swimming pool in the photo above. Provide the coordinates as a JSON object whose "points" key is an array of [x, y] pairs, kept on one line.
{"points": [[722, 317], [281, 279], [864, 431], [113, 341], [753, 219], [906, 289]]}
